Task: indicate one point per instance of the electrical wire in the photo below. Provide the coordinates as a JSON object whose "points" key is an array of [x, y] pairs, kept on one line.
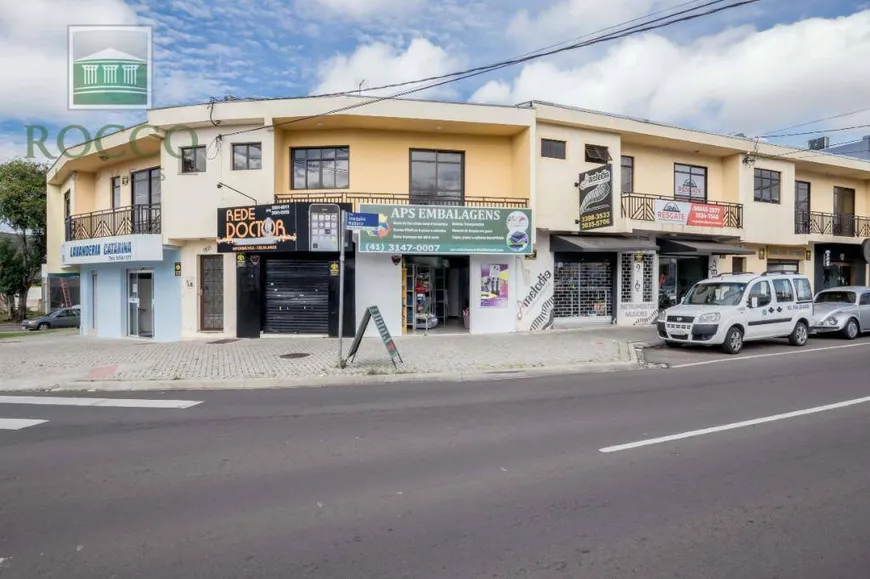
{"points": [[449, 79], [816, 132], [839, 116]]}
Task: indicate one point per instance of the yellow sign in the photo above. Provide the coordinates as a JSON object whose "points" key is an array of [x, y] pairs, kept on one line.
{"points": [[177, 268], [790, 253], [333, 268]]}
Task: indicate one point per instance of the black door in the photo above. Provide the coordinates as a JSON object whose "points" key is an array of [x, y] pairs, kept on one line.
{"points": [[844, 212], [802, 208], [211, 293], [296, 297]]}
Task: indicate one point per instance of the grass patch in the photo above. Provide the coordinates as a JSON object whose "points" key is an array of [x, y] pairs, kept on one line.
{"points": [[6, 335]]}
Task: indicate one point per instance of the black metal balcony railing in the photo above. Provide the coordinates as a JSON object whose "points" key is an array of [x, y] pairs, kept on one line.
{"points": [[134, 220], [836, 224], [356, 199], [641, 207]]}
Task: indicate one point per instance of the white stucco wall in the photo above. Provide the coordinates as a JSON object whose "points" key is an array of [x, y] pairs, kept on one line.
{"points": [[378, 282]]}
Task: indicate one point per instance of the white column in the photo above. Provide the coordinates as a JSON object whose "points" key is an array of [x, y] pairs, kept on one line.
{"points": [[90, 73], [130, 73], [110, 73]]}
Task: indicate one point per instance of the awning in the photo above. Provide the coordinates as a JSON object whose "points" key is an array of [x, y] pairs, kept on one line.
{"points": [[600, 243], [702, 248]]}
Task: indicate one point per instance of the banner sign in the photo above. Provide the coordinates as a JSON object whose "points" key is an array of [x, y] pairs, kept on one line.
{"points": [[373, 313], [686, 213], [285, 227], [596, 198], [112, 249], [435, 229]]}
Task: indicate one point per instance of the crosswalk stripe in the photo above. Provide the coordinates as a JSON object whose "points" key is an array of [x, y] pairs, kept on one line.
{"points": [[101, 402], [18, 423]]}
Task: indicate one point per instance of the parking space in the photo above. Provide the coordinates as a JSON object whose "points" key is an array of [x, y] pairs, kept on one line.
{"points": [[693, 354]]}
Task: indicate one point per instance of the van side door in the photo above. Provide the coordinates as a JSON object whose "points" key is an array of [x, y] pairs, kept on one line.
{"points": [[757, 315], [783, 313]]}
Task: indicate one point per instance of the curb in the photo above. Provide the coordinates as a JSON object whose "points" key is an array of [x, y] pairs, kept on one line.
{"points": [[352, 380]]}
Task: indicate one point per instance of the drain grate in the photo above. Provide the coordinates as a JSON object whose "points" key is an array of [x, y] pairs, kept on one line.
{"points": [[294, 355], [225, 341]]}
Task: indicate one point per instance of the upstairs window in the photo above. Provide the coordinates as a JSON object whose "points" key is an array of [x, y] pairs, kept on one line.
{"points": [[767, 186], [193, 159], [116, 192], [690, 183], [321, 168], [247, 157], [67, 205], [553, 149], [627, 174], [597, 154], [437, 177]]}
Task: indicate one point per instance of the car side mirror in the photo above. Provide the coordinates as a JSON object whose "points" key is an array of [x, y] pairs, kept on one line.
{"points": [[753, 302]]}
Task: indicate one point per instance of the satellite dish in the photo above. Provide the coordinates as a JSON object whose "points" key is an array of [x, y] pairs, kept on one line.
{"points": [[865, 247]]}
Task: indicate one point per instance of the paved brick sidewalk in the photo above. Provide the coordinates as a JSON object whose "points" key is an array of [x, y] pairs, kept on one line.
{"points": [[42, 362]]}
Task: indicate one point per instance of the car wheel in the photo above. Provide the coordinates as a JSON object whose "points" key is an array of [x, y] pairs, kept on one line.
{"points": [[799, 335], [43, 326], [671, 344], [851, 331], [733, 341]]}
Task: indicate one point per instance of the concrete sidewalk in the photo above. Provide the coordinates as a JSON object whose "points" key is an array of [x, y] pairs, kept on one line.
{"points": [[78, 363]]}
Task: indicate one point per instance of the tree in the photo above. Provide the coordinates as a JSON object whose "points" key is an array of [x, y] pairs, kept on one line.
{"points": [[22, 209]]}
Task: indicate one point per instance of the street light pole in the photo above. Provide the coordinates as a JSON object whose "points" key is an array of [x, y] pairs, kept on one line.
{"points": [[341, 240]]}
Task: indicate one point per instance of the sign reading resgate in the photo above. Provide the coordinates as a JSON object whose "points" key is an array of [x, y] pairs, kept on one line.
{"points": [[686, 213], [433, 229]]}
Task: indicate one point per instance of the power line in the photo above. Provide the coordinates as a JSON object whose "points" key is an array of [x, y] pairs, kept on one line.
{"points": [[470, 73], [839, 116], [534, 53], [816, 132]]}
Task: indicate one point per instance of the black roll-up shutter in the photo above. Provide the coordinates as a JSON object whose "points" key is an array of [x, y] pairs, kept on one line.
{"points": [[297, 297]]}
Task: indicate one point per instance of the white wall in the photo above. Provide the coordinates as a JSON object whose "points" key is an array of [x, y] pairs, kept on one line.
{"points": [[378, 282], [493, 320], [534, 298]]}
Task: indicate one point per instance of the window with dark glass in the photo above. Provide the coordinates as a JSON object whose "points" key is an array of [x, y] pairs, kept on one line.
{"points": [[627, 174], [767, 186], [67, 205], [738, 264], [553, 149], [437, 176], [146, 187], [247, 156], [116, 192], [321, 168], [802, 206], [597, 154], [784, 291], [193, 159], [690, 182]]}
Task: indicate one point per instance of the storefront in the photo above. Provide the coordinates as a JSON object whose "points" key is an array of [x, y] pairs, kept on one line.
{"points": [[684, 262], [287, 268], [780, 259], [443, 269], [838, 265], [129, 287], [587, 285]]}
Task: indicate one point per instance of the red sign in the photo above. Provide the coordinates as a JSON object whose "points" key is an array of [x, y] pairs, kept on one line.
{"points": [[704, 215]]}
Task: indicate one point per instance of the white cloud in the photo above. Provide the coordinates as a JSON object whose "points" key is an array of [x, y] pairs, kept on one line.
{"points": [[742, 79], [33, 51], [365, 9], [380, 63]]}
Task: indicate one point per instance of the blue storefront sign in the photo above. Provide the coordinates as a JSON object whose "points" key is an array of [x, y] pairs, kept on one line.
{"points": [[361, 221]]}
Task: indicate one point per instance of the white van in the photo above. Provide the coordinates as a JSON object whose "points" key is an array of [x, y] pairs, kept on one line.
{"points": [[729, 309]]}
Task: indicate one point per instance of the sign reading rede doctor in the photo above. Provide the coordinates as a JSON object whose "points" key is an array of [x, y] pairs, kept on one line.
{"points": [[431, 229], [112, 249]]}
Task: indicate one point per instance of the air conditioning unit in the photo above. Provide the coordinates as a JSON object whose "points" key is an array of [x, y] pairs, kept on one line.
{"points": [[819, 144]]}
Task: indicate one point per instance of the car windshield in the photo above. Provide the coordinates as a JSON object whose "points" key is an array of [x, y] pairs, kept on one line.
{"points": [[836, 298], [716, 294]]}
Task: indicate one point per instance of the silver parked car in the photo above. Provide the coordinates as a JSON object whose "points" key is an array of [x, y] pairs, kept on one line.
{"points": [[62, 318], [845, 310]]}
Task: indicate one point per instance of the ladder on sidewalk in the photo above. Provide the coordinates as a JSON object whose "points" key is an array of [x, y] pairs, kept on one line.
{"points": [[64, 288]]}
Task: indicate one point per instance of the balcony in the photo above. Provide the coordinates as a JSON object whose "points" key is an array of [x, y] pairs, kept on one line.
{"points": [[642, 207], [356, 199], [835, 224], [134, 220]]}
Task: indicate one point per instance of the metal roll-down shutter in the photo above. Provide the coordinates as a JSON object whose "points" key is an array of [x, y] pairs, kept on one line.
{"points": [[297, 297]]}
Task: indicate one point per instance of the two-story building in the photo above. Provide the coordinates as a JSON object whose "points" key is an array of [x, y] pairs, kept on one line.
{"points": [[223, 219]]}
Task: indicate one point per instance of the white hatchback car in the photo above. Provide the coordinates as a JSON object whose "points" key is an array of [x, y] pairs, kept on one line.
{"points": [[729, 310]]}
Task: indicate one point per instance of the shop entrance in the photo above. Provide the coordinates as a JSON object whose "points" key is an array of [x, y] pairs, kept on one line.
{"points": [[296, 296], [435, 291], [837, 275], [677, 275], [140, 304], [584, 287]]}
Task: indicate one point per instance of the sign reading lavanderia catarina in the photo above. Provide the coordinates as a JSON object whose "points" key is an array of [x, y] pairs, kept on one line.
{"points": [[596, 198], [431, 229]]}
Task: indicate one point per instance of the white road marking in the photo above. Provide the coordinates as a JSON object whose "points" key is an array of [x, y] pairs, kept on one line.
{"points": [[18, 424], [734, 425], [101, 402], [755, 356]]}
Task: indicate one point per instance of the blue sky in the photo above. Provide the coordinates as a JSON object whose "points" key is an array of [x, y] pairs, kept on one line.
{"points": [[760, 67]]}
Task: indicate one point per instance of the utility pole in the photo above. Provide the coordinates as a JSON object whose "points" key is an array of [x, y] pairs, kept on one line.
{"points": [[342, 239]]}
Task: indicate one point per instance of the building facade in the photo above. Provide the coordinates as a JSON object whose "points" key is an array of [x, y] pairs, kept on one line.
{"points": [[223, 219]]}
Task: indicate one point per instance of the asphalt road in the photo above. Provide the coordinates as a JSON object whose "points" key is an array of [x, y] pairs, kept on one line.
{"points": [[497, 479]]}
